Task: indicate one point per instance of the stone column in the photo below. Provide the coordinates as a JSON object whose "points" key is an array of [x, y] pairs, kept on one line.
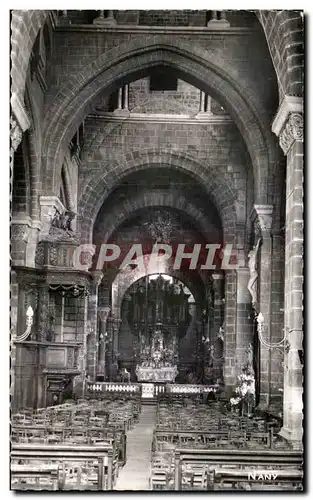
{"points": [[116, 330], [122, 102], [244, 322], [92, 349], [288, 126], [202, 101], [208, 105], [119, 98], [218, 318], [125, 99], [262, 220], [109, 350], [277, 321], [230, 330], [103, 315], [205, 105]]}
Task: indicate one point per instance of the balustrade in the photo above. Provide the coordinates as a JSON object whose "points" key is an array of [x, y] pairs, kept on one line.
{"points": [[116, 387]]}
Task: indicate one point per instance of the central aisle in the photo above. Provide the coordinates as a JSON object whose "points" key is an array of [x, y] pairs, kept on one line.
{"points": [[136, 472]]}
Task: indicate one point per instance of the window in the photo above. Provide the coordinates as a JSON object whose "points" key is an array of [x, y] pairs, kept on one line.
{"points": [[162, 80]]}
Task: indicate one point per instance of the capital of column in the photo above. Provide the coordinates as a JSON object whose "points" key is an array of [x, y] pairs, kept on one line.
{"points": [[104, 313], [20, 232], [217, 276], [262, 216], [288, 123], [15, 133], [97, 277], [19, 112]]}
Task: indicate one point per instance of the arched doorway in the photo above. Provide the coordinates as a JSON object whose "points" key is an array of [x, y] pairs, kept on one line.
{"points": [[158, 314]]}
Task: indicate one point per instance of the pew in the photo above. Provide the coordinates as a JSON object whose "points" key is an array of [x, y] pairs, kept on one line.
{"points": [[89, 435], [27, 477], [234, 479], [240, 459], [207, 439], [100, 455]]}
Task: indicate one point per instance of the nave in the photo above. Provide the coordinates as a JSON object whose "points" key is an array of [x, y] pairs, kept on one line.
{"points": [[175, 443]]}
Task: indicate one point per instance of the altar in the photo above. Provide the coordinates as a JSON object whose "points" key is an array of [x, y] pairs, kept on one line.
{"points": [[162, 374], [157, 358]]}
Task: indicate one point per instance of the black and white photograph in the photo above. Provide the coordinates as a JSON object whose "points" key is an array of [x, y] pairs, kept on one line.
{"points": [[156, 250]]}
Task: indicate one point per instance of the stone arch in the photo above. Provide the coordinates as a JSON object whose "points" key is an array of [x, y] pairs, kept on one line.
{"points": [[25, 25], [203, 68], [283, 31], [114, 170], [192, 281], [121, 212]]}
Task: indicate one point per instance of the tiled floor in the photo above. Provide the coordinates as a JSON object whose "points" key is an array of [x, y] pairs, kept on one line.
{"points": [[136, 472]]}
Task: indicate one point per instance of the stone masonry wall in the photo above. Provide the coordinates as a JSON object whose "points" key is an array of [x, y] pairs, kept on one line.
{"points": [[218, 145]]}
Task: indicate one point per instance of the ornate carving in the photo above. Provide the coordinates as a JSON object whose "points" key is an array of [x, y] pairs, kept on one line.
{"points": [[31, 296], [70, 358], [56, 234], [20, 232], [263, 219], [15, 134], [61, 227], [293, 131], [43, 308], [53, 255], [40, 254], [63, 221], [264, 222]]}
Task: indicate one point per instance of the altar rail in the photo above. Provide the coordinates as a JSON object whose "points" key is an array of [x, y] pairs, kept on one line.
{"points": [[159, 388], [191, 389], [115, 387]]}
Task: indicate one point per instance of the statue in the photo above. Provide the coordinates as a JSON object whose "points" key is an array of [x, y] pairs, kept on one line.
{"points": [[252, 284], [61, 226], [249, 352]]}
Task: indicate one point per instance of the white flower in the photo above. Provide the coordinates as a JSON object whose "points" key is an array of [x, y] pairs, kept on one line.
{"points": [[234, 401]]}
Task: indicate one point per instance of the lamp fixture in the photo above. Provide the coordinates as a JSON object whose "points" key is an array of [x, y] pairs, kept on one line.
{"points": [[283, 345]]}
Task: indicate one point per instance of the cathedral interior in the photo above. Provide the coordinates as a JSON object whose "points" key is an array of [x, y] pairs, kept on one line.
{"points": [[156, 335]]}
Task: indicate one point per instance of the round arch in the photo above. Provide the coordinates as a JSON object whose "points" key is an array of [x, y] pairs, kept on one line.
{"points": [[122, 211], [193, 281], [113, 172], [203, 68]]}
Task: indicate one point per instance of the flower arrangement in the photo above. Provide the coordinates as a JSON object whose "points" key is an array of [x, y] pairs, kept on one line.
{"points": [[234, 401], [245, 391], [246, 385]]}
